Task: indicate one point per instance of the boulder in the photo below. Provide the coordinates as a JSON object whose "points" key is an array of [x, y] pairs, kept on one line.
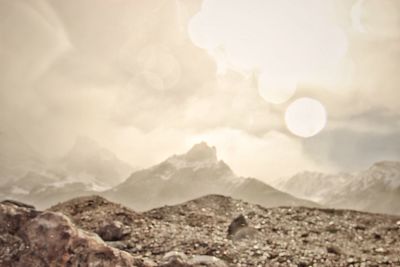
{"points": [[113, 231], [239, 229], [32, 238], [174, 259], [237, 223]]}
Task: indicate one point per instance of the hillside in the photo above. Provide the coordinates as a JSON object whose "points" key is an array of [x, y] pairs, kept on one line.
{"points": [[212, 231]]}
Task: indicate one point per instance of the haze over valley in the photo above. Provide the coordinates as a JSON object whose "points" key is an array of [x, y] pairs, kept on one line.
{"points": [[188, 133]]}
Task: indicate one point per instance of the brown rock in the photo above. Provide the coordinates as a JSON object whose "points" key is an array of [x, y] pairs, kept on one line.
{"points": [[175, 259], [208, 261], [334, 249], [31, 238], [113, 231], [237, 224], [239, 229]]}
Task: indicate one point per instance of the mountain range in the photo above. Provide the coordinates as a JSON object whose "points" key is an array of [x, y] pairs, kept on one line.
{"points": [[194, 174], [376, 189], [85, 169], [88, 169]]}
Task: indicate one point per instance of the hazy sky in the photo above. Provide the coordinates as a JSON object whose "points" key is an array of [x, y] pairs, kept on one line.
{"points": [[149, 78]]}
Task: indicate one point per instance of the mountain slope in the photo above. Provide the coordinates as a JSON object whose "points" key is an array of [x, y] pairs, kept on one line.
{"points": [[45, 189], [376, 189], [315, 186], [194, 174], [89, 160], [86, 169]]}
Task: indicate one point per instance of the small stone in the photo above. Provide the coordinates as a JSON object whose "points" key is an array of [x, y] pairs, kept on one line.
{"points": [[117, 244], [351, 260], [377, 236], [208, 261], [360, 227], [174, 259], [334, 249], [113, 231]]}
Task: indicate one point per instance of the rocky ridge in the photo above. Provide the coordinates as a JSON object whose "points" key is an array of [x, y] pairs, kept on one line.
{"points": [[197, 232]]}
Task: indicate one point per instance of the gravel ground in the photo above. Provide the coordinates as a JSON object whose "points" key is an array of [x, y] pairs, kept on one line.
{"points": [[284, 236]]}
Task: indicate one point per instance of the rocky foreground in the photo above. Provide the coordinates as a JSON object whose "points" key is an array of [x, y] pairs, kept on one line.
{"points": [[209, 231]]}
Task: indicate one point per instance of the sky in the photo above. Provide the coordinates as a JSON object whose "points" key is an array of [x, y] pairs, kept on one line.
{"points": [[148, 79]]}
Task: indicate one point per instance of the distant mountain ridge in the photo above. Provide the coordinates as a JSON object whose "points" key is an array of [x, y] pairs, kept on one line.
{"points": [[88, 158], [376, 189], [194, 174], [90, 169], [86, 169]]}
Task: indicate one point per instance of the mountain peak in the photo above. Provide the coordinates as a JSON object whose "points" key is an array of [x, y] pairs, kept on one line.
{"points": [[200, 152]]}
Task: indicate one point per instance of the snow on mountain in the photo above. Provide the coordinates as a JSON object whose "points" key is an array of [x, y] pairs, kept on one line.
{"points": [[194, 174], [86, 169], [47, 188], [376, 189], [384, 173], [314, 186]]}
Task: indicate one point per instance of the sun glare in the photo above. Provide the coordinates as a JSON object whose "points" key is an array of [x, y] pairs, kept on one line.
{"points": [[287, 42], [305, 117], [276, 89], [283, 36]]}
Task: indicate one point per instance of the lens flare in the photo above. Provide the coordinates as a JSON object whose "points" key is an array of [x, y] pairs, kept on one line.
{"points": [[276, 89], [285, 36], [305, 117]]}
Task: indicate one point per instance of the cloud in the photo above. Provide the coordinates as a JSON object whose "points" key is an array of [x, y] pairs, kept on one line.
{"points": [[279, 36], [377, 18], [127, 74], [352, 150]]}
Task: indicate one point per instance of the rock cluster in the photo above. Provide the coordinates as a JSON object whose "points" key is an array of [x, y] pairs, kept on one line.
{"points": [[213, 231], [32, 238]]}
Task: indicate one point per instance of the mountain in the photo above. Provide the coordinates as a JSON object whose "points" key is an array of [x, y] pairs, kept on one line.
{"points": [[86, 169], [88, 160], [46, 188], [376, 189], [194, 174], [16, 157], [315, 186]]}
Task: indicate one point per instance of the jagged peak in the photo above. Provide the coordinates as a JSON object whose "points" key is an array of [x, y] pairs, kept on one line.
{"points": [[200, 152]]}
